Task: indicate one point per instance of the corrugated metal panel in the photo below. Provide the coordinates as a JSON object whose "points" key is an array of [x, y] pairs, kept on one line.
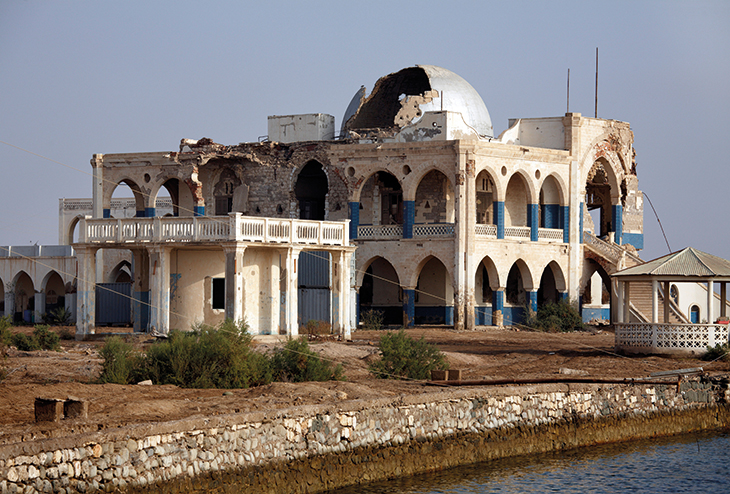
{"points": [[687, 262], [314, 269], [314, 304], [113, 303]]}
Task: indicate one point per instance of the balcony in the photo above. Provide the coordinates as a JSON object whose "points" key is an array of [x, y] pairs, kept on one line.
{"points": [[232, 228]]}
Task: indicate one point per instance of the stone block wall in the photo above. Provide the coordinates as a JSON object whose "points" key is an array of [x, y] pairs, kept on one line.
{"points": [[350, 443]]}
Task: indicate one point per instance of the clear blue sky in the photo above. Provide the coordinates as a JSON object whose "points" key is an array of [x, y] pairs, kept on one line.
{"points": [[84, 77]]}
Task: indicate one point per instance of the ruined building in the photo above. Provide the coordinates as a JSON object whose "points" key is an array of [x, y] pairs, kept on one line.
{"points": [[413, 208]]}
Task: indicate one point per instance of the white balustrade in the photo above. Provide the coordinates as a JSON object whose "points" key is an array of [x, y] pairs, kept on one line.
{"points": [[213, 229]]}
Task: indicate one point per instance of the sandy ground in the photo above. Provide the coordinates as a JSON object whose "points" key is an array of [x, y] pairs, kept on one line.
{"points": [[488, 353]]}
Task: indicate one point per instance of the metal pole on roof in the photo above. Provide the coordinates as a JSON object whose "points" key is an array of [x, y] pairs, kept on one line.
{"points": [[596, 109], [567, 106]]}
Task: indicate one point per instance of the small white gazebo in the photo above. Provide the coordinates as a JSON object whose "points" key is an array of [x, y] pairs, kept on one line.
{"points": [[688, 265]]}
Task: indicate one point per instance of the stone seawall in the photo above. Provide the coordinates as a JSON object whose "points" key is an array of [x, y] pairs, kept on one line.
{"points": [[314, 448]]}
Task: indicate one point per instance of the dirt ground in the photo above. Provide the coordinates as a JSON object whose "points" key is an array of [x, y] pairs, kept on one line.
{"points": [[488, 353]]}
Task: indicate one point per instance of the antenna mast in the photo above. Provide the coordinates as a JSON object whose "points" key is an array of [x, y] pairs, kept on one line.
{"points": [[567, 109], [596, 110]]}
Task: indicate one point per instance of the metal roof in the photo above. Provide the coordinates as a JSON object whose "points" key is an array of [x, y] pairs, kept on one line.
{"points": [[690, 262]]}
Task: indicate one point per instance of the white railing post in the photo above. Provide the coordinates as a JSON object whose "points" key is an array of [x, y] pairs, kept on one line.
{"points": [[156, 229], [234, 225], [346, 233], [711, 336]]}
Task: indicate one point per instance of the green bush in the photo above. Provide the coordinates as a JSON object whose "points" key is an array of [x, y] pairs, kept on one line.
{"points": [[296, 362], [6, 335], [552, 317], [41, 339], [59, 316], [718, 352], [121, 362], [316, 327], [404, 357], [208, 357], [372, 320]]}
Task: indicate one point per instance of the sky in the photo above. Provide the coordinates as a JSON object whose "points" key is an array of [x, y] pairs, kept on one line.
{"points": [[85, 77]]}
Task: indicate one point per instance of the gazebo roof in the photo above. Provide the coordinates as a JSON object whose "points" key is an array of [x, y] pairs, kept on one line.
{"points": [[690, 263]]}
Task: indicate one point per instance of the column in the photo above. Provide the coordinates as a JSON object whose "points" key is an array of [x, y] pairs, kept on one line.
{"points": [[533, 300], [617, 222], [498, 307], [150, 212], [198, 210], [565, 223], [140, 290], [723, 299], [655, 301], [292, 292], [710, 299], [40, 303], [10, 303], [580, 229], [532, 217], [234, 281], [86, 291], [409, 306], [409, 218], [160, 289], [620, 302], [627, 301], [354, 209], [341, 294], [499, 218], [666, 302]]}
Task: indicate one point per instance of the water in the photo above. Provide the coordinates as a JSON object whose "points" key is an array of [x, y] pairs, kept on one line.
{"points": [[698, 463]]}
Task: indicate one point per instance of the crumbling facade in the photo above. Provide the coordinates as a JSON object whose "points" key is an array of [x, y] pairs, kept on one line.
{"points": [[452, 225]]}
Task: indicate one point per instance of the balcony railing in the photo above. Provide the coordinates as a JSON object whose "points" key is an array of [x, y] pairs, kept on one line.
{"points": [[550, 234], [434, 230], [234, 227], [669, 338], [517, 232], [380, 231], [486, 231]]}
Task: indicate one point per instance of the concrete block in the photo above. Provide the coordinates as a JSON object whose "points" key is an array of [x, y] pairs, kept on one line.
{"points": [[454, 375], [48, 410], [76, 409], [438, 375]]}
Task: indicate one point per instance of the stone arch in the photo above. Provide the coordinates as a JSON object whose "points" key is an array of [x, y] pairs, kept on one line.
{"points": [[380, 290], [121, 273], [140, 197], [486, 195], [486, 271], [2, 297], [602, 192], [24, 297], [381, 199], [435, 199], [552, 284], [311, 190], [551, 200], [70, 232], [53, 291], [519, 283], [595, 291], [517, 201], [434, 295], [183, 202], [412, 181]]}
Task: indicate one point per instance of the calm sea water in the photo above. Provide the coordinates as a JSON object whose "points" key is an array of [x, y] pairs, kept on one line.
{"points": [[698, 463]]}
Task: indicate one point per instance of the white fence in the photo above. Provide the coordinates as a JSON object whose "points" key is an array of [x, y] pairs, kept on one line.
{"points": [[669, 338], [234, 227]]}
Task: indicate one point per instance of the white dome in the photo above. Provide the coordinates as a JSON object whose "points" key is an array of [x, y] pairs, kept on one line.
{"points": [[426, 84]]}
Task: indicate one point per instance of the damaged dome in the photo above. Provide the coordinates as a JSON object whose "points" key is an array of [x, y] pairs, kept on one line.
{"points": [[401, 98]]}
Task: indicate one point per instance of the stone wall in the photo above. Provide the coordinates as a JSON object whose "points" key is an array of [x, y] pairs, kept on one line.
{"points": [[313, 448]]}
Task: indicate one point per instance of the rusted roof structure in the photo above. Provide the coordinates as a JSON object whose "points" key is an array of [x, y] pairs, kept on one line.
{"points": [[687, 263]]}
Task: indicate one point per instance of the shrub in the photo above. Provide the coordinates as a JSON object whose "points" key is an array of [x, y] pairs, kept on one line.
{"points": [[41, 339], [718, 352], [6, 335], [562, 316], [121, 361], [404, 357], [296, 362], [372, 320], [60, 316], [207, 357], [67, 333]]}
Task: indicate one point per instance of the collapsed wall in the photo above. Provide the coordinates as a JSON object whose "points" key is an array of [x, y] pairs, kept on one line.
{"points": [[314, 448]]}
